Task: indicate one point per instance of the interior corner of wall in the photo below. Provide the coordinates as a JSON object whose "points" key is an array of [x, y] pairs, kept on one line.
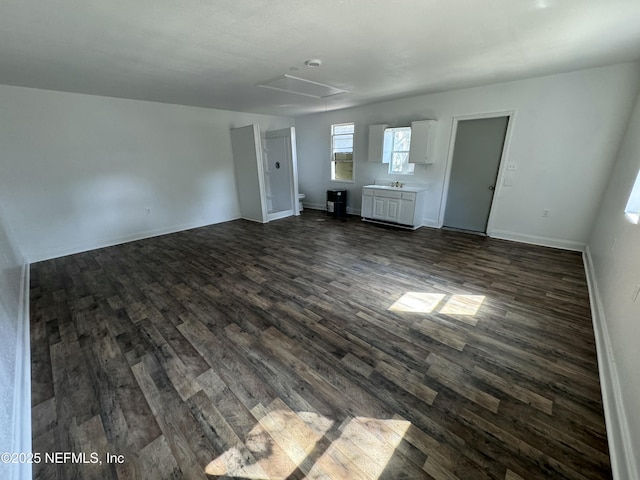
{"points": [[430, 222], [21, 415]]}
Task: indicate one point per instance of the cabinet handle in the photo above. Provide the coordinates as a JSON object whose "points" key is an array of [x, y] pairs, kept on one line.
{"points": [[491, 187]]}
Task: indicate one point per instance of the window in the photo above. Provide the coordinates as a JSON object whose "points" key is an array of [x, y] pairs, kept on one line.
{"points": [[397, 142], [632, 209], [342, 152]]}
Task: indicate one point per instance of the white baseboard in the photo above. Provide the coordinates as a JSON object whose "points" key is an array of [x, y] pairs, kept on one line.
{"points": [[21, 434], [111, 241], [623, 460], [537, 240]]}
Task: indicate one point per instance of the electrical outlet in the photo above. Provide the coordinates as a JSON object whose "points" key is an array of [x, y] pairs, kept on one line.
{"points": [[512, 166], [508, 179], [634, 297], [545, 213]]}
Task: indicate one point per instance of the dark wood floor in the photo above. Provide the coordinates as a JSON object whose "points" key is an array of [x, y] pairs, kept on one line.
{"points": [[317, 348]]}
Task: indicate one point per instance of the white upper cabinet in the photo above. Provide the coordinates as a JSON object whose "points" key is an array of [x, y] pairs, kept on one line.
{"points": [[376, 142], [422, 141]]}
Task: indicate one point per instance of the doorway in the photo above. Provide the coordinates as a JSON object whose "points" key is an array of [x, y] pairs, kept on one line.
{"points": [[266, 172], [477, 153], [280, 164]]}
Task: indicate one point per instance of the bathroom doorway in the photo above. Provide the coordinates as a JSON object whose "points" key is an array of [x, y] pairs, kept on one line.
{"points": [[266, 172], [280, 170]]}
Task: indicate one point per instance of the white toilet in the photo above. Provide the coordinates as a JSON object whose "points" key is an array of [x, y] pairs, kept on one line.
{"points": [[301, 197]]}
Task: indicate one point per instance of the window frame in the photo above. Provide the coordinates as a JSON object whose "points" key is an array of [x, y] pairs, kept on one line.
{"points": [[334, 151]]}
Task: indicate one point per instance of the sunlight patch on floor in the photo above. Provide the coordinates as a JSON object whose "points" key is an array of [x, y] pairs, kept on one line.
{"points": [[363, 449], [283, 441], [417, 302], [423, 302], [463, 305]]}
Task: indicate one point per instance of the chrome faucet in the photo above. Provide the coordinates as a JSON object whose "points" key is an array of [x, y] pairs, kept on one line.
{"points": [[397, 184]]}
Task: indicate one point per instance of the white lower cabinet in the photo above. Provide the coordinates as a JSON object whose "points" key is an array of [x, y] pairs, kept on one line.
{"points": [[392, 206]]}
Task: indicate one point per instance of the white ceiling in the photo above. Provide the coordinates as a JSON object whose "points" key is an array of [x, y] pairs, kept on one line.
{"points": [[213, 53]]}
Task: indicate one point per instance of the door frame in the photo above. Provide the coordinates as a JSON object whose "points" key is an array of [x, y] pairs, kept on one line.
{"points": [[511, 114]]}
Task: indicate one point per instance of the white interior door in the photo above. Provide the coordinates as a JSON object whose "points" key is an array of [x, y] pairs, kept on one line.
{"points": [[247, 160]]}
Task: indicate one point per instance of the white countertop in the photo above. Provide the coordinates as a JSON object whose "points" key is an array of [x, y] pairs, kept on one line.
{"points": [[399, 189]]}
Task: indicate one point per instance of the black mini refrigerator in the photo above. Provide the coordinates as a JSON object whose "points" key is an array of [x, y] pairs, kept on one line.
{"points": [[337, 203]]}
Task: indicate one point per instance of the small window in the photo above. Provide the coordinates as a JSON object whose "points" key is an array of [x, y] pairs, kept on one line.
{"points": [[397, 142], [342, 152], [632, 209]]}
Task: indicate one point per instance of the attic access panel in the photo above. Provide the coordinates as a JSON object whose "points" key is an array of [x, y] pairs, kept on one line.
{"points": [[300, 86]]}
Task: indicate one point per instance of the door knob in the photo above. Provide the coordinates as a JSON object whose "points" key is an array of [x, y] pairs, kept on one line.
{"points": [[491, 187]]}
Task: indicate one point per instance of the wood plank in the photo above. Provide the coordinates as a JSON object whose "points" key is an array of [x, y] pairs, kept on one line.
{"points": [[516, 391], [452, 376]]}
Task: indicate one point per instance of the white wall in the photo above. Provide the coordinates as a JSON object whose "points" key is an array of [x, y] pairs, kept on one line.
{"points": [[15, 404], [613, 263], [80, 171], [564, 139]]}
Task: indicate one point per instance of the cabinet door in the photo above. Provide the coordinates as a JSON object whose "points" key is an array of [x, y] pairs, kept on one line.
{"points": [[393, 209], [407, 210], [376, 142], [367, 204], [379, 204], [422, 139]]}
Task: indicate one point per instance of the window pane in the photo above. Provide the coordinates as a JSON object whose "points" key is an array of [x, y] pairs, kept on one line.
{"points": [[347, 135], [401, 140], [343, 142], [342, 129], [398, 161], [343, 171], [343, 156], [399, 164]]}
